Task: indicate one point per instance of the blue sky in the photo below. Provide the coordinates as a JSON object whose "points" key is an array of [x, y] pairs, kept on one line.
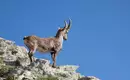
{"points": [[99, 40]]}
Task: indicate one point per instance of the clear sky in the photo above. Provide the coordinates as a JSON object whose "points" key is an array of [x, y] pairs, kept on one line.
{"points": [[99, 40]]}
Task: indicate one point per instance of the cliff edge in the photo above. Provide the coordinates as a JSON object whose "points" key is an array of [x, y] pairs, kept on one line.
{"points": [[15, 65]]}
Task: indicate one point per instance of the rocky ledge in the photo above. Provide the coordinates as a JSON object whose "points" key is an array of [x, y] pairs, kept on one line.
{"points": [[15, 65]]}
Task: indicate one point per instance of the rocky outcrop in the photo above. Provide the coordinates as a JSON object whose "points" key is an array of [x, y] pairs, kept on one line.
{"points": [[15, 65]]}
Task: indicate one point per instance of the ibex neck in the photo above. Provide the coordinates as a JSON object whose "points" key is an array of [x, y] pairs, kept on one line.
{"points": [[60, 38]]}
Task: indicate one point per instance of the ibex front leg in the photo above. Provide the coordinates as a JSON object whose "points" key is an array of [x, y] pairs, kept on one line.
{"points": [[31, 52], [53, 56]]}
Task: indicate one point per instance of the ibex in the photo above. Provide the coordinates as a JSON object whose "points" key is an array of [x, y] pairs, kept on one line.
{"points": [[52, 44]]}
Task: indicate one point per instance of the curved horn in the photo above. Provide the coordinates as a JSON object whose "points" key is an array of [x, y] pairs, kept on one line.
{"points": [[70, 22], [65, 24]]}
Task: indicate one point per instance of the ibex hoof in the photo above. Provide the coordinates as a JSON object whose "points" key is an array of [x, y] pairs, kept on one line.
{"points": [[57, 67], [53, 66]]}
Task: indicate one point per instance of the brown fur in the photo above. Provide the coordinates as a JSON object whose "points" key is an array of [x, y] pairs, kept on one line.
{"points": [[52, 44]]}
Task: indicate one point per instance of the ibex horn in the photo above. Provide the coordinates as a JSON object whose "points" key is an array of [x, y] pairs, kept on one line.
{"points": [[65, 24], [70, 21]]}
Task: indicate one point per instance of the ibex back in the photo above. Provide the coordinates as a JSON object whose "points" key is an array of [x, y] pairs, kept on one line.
{"points": [[52, 44]]}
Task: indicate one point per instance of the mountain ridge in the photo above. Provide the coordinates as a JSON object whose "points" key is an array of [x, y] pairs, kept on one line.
{"points": [[15, 65]]}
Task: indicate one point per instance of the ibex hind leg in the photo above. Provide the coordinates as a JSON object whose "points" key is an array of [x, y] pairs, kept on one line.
{"points": [[30, 55]]}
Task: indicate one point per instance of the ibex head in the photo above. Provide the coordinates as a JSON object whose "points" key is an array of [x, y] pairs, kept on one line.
{"points": [[64, 31]]}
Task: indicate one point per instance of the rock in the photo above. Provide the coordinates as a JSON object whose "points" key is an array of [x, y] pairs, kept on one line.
{"points": [[18, 67], [12, 54], [69, 67], [89, 78]]}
